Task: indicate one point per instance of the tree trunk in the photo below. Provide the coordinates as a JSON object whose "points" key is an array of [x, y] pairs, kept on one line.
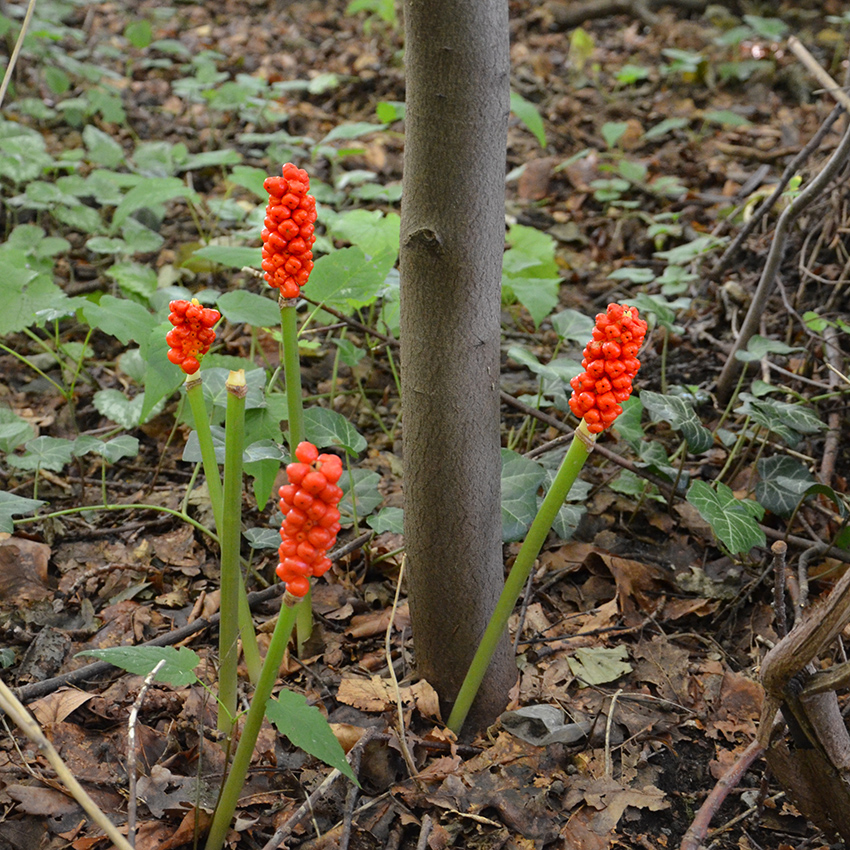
{"points": [[452, 240]]}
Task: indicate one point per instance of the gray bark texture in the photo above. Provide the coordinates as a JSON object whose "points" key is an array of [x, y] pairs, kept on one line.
{"points": [[452, 241]]}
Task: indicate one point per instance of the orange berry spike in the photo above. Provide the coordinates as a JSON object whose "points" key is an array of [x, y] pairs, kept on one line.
{"points": [[610, 364], [288, 231], [311, 520], [192, 335]]}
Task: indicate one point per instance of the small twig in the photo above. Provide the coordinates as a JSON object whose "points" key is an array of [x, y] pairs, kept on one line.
{"points": [[424, 832], [814, 551], [526, 599], [698, 829], [768, 203], [394, 839], [831, 443], [609, 723], [814, 68], [353, 792], [402, 735], [779, 549], [131, 752], [758, 306], [16, 51]]}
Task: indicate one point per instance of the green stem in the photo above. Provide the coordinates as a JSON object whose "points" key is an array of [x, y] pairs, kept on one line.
{"points": [[292, 372], [578, 452], [231, 533], [242, 759], [195, 394], [62, 391], [135, 506], [295, 407]]}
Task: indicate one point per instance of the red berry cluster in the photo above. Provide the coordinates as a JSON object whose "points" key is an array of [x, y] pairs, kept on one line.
{"points": [[288, 231], [311, 520], [610, 361], [192, 334]]}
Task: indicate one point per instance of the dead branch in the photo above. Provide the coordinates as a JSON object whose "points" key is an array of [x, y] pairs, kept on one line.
{"points": [[693, 838], [758, 306], [568, 15]]}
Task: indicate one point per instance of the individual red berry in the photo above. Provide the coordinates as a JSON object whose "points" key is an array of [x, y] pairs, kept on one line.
{"points": [[296, 472], [314, 483], [303, 500], [317, 510], [330, 518], [331, 495], [296, 518], [306, 452], [320, 537]]}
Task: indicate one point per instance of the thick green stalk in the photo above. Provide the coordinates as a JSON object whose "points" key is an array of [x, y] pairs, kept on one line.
{"points": [[292, 372], [195, 394], [295, 407], [578, 452], [242, 759], [231, 534]]}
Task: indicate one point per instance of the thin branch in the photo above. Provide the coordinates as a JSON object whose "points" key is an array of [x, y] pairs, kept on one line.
{"points": [[758, 306], [131, 752], [694, 837]]}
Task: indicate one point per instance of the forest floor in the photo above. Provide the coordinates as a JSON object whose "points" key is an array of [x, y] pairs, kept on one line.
{"points": [[641, 628]]}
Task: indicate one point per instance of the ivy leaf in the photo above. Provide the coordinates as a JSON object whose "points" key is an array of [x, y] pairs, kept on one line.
{"points": [[521, 477], [760, 346], [326, 428], [177, 671], [788, 421], [128, 321], [361, 494], [192, 449], [373, 231], [151, 192], [44, 453], [262, 538], [732, 520], [230, 255], [14, 431], [387, 520], [573, 326], [348, 280], [307, 729], [250, 308], [784, 480], [13, 505], [681, 416], [126, 412]]}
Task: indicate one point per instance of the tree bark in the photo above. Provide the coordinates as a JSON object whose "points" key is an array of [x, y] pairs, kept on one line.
{"points": [[452, 241]]}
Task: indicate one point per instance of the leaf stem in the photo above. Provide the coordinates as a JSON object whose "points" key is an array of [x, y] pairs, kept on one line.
{"points": [[242, 759], [231, 533], [578, 452]]}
